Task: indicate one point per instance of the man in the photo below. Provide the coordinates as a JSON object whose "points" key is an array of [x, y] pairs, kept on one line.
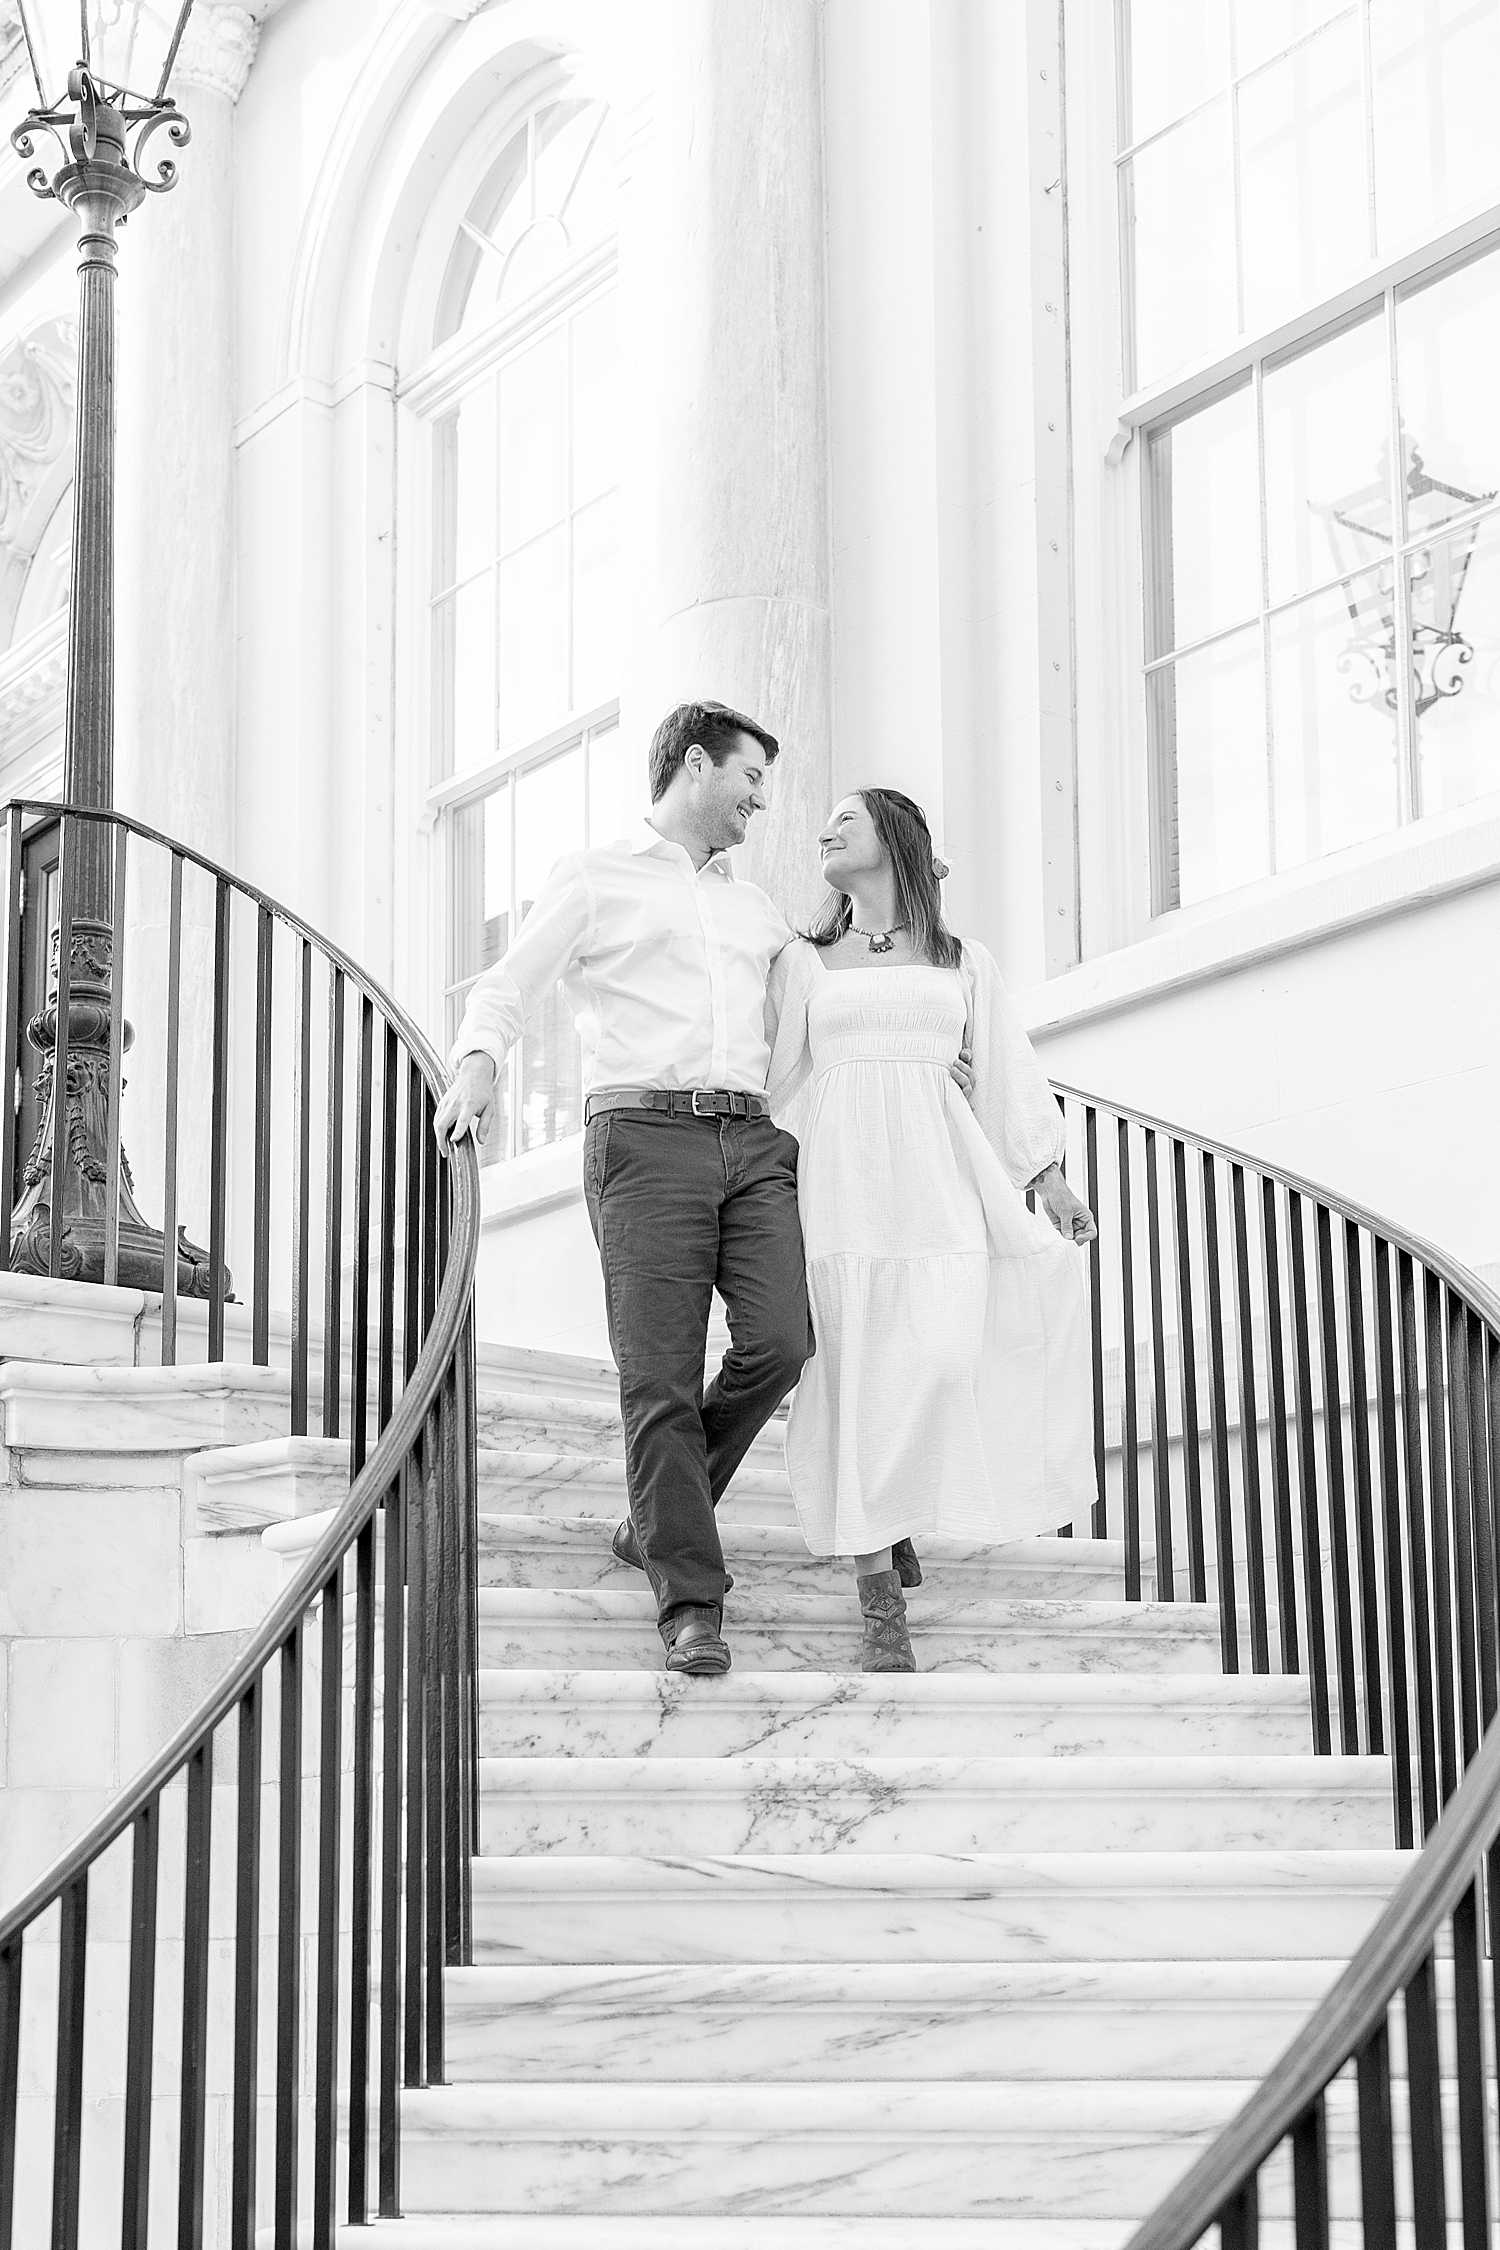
{"points": [[664, 954]]}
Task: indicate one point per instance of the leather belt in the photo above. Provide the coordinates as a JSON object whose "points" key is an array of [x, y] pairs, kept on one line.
{"points": [[677, 1101]]}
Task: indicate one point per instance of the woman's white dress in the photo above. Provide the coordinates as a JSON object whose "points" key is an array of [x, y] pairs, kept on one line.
{"points": [[950, 1389]]}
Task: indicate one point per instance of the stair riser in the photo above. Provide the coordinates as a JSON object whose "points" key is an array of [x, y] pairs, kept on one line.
{"points": [[595, 1430], [611, 1645], [573, 1562], [596, 1492]]}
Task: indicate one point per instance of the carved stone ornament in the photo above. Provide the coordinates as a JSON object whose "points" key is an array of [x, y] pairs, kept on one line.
{"points": [[36, 415], [217, 49]]}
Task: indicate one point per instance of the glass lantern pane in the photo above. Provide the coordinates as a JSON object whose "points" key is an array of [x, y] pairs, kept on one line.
{"points": [[1181, 196], [534, 637], [1334, 732], [1206, 716], [1178, 55], [549, 822], [1303, 195], [1327, 438], [1436, 65], [618, 794], [596, 605], [534, 441], [1455, 610], [1447, 351], [1203, 498]]}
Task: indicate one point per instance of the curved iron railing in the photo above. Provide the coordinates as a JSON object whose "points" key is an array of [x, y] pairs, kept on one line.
{"points": [[1319, 1455], [333, 1770]]}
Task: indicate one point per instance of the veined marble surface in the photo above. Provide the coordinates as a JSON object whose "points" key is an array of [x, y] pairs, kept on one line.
{"points": [[139, 1409], [519, 1421], [551, 1714], [550, 1482], [1119, 1804], [238, 1487]]}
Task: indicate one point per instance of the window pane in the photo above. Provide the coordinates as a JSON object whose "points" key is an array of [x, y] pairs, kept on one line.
{"points": [[549, 822], [1436, 67], [1179, 54], [1182, 198], [595, 443], [571, 180], [1205, 523], [443, 659], [1336, 747], [481, 923], [533, 441], [534, 637], [1328, 424], [444, 503], [1263, 27], [474, 483], [1303, 196], [1447, 351], [474, 673], [596, 605], [1455, 590], [1208, 744], [618, 794]]}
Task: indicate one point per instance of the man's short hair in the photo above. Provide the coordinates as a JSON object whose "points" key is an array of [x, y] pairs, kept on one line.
{"points": [[714, 726]]}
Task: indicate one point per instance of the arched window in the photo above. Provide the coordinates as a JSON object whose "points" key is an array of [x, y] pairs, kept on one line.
{"points": [[527, 760]]}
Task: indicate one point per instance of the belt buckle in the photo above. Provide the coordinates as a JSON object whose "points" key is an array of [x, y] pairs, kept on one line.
{"points": [[701, 1094]]}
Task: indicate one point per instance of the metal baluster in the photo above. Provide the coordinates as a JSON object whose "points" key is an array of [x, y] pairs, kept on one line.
{"points": [[431, 1250], [242, 2201], [1310, 2177], [1424, 2082], [68, 850], [432, 1745], [1307, 1480], [1333, 1461], [116, 1064], [10, 1035], [190, 2151], [1281, 1468], [1161, 1460], [468, 1454], [10, 2081], [1364, 1517], [411, 1313], [301, 1183], [1191, 1456], [140, 2024], [1129, 1433], [67, 2118], [1390, 1517], [1096, 1318], [394, 2003], [1463, 1522], [1482, 1469], [1437, 1490], [169, 1164], [361, 1898], [1255, 1549], [1239, 2221], [1377, 2142], [413, 1504], [390, 1077], [218, 1148], [260, 1313], [450, 1643], [359, 1326], [289, 1944], [1229, 1633], [330, 1782], [333, 1223], [1468, 2010], [1416, 1533]]}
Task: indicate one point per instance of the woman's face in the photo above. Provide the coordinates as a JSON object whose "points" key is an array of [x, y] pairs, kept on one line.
{"points": [[848, 844]]}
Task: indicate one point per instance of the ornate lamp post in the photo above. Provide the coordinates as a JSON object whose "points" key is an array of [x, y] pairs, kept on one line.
{"points": [[1361, 532], [103, 129]]}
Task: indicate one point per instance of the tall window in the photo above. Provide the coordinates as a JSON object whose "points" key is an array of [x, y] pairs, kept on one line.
{"points": [[1322, 557], [527, 753]]}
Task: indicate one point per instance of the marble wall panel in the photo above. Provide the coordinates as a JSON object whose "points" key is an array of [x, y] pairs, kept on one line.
{"points": [[83, 1563]]}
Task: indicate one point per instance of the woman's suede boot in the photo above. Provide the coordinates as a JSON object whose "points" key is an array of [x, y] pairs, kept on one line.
{"points": [[887, 1644]]}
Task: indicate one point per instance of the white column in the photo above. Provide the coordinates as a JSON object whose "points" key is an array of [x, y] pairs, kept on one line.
{"points": [[738, 365]]}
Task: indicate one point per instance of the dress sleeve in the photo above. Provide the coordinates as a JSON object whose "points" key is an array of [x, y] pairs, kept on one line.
{"points": [[786, 1028], [1013, 1103]]}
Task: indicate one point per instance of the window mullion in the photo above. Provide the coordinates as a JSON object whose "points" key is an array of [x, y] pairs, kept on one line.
{"points": [[1408, 795]]}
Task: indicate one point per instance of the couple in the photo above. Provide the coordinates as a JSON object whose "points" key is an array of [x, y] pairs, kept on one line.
{"points": [[938, 1328]]}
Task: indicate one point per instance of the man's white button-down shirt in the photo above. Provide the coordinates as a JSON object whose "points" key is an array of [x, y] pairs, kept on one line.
{"points": [[664, 966]]}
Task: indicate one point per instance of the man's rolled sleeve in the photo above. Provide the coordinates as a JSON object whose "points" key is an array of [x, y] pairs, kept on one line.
{"points": [[551, 937]]}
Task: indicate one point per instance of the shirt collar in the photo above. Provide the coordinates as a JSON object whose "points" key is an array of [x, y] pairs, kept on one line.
{"points": [[648, 839]]}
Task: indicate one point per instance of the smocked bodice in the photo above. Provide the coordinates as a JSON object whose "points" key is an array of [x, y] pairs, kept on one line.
{"points": [[914, 1014]]}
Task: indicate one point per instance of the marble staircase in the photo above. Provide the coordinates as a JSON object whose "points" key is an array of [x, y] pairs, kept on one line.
{"points": [[801, 1960]]}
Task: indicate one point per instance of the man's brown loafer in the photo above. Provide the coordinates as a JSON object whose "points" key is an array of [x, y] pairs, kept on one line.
{"points": [[626, 1547], [698, 1647]]}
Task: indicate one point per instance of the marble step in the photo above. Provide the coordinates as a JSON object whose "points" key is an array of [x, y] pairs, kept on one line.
{"points": [[546, 1482], [531, 1550], [613, 1629], [521, 1421], [554, 1714], [595, 2230], [1106, 2149], [879, 2020], [1113, 1804], [1279, 1905]]}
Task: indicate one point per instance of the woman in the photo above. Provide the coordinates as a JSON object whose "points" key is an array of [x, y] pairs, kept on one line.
{"points": [[950, 1388]]}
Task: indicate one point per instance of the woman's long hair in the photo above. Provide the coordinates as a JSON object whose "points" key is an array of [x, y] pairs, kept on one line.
{"points": [[901, 825]]}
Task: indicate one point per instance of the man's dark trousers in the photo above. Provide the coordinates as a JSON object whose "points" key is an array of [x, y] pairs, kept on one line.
{"points": [[681, 1206]]}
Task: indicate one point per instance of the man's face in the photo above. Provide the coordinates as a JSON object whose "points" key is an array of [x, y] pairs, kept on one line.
{"points": [[730, 794]]}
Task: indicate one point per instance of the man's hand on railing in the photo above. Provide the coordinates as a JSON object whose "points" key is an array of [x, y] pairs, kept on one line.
{"points": [[1072, 1218], [469, 1104]]}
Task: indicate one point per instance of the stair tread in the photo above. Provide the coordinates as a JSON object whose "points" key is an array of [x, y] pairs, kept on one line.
{"points": [[521, 1687], [632, 1603], [957, 1874]]}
